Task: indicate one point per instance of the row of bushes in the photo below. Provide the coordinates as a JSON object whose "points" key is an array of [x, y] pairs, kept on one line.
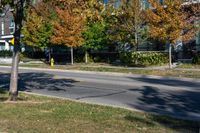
{"points": [[5, 53], [144, 58], [128, 58], [107, 57]]}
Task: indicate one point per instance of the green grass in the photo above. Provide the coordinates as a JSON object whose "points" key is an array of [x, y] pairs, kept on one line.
{"points": [[170, 73], [190, 66], [106, 68], [37, 114]]}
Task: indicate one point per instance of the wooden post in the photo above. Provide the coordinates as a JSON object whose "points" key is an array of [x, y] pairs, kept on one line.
{"points": [[170, 56], [72, 56]]}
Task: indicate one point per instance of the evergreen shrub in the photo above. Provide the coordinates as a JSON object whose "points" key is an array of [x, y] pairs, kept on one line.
{"points": [[144, 58], [5, 53]]}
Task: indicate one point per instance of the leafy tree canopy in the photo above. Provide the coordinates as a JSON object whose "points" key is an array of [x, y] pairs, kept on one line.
{"points": [[95, 35], [168, 22], [37, 31]]}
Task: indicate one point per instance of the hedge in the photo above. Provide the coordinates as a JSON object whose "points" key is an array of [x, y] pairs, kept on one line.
{"points": [[144, 58], [5, 53]]}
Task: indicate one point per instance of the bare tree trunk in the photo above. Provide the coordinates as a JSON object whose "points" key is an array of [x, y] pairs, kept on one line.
{"points": [[136, 43], [50, 53], [49, 56], [86, 56], [13, 92], [137, 19], [170, 56], [18, 16], [72, 56], [136, 40]]}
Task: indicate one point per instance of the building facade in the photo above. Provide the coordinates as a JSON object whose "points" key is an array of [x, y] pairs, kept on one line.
{"points": [[7, 29]]}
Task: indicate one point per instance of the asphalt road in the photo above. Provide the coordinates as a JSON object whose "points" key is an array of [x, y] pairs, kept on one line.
{"points": [[168, 96]]}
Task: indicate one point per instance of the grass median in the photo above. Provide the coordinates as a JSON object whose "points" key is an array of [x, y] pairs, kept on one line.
{"points": [[49, 115]]}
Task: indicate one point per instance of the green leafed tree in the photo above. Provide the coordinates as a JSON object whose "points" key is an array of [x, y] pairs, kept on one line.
{"points": [[38, 27], [37, 31], [126, 22], [95, 37]]}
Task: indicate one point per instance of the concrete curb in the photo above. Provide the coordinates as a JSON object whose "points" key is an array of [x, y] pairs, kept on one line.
{"points": [[109, 105], [85, 102]]}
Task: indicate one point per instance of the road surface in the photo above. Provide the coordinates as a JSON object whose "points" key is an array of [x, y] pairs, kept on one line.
{"points": [[161, 95]]}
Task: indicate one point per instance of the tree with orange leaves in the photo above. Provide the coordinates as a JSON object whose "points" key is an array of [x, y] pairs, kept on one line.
{"points": [[168, 22], [69, 25]]}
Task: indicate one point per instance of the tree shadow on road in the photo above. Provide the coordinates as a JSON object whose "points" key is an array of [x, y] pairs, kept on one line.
{"points": [[181, 104], [168, 81], [176, 104], [37, 81]]}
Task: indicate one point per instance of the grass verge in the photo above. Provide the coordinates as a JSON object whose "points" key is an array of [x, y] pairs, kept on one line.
{"points": [[190, 66], [49, 115]]}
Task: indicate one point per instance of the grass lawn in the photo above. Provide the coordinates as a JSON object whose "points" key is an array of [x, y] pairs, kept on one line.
{"points": [[170, 73], [190, 66], [37, 114]]}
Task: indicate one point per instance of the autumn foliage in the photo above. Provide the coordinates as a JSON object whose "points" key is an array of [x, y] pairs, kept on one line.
{"points": [[166, 21], [68, 25]]}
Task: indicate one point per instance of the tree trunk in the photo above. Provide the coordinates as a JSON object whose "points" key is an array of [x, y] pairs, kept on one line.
{"points": [[86, 56], [72, 56], [50, 53], [170, 56], [18, 16], [13, 92], [136, 40]]}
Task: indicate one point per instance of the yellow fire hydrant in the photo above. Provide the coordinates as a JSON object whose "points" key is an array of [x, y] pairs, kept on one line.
{"points": [[52, 62]]}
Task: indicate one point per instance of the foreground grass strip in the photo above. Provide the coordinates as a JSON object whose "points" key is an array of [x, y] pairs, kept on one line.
{"points": [[49, 115]]}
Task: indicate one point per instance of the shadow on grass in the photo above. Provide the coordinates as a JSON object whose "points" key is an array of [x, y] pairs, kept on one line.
{"points": [[182, 126], [139, 120], [2, 91], [3, 95], [5, 98]]}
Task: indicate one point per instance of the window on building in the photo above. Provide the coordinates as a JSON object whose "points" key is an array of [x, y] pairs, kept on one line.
{"points": [[105, 1], [12, 26], [161, 1], [145, 4], [2, 46], [2, 28], [117, 3]]}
